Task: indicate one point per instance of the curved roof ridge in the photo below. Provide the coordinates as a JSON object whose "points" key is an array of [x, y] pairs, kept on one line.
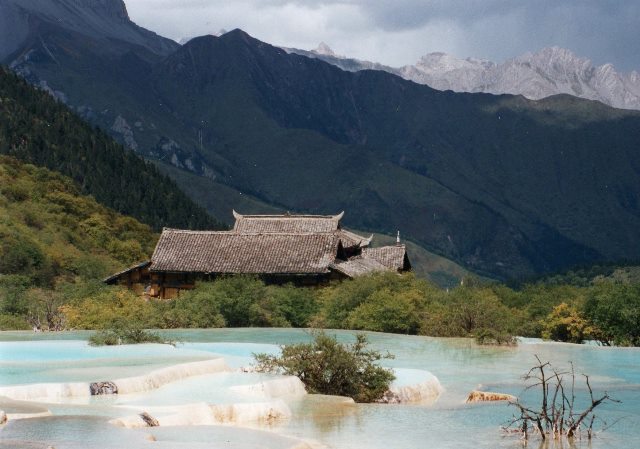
{"points": [[196, 231], [249, 233], [288, 216]]}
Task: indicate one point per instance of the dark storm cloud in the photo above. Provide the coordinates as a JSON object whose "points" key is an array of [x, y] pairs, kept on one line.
{"points": [[604, 30]]}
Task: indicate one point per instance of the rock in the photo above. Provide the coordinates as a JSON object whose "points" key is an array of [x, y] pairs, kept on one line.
{"points": [[149, 420], [100, 388], [487, 396], [3, 417], [426, 391]]}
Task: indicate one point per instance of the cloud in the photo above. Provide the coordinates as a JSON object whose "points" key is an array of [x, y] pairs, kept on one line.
{"points": [[398, 32]]}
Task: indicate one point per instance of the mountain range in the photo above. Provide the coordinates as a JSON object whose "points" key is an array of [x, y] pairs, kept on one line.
{"points": [[505, 186], [550, 71], [38, 130]]}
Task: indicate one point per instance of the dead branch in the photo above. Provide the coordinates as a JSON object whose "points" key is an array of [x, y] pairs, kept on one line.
{"points": [[556, 417]]}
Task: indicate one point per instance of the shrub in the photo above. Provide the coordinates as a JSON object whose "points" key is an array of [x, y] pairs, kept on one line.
{"points": [[341, 299], [239, 301], [13, 323], [17, 191], [20, 255], [107, 305], [292, 306], [565, 323], [124, 332], [326, 366], [615, 310], [197, 308], [493, 337], [470, 312], [387, 311], [12, 290], [236, 297]]}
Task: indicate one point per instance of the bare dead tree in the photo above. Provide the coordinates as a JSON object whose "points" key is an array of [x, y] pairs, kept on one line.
{"points": [[45, 305], [557, 417]]}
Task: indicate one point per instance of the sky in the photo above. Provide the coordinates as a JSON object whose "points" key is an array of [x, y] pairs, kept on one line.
{"points": [[398, 32]]}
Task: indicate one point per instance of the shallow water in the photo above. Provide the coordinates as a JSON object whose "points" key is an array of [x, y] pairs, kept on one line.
{"points": [[459, 364]]}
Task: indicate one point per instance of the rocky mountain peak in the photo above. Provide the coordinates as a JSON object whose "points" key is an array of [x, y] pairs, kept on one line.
{"points": [[443, 62], [555, 61], [324, 49], [535, 75], [95, 19], [112, 8]]}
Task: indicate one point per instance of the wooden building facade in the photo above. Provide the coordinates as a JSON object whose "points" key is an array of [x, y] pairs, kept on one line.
{"points": [[298, 249]]}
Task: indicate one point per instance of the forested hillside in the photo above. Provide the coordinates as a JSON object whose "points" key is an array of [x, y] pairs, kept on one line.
{"points": [[50, 233], [36, 128], [53, 239]]}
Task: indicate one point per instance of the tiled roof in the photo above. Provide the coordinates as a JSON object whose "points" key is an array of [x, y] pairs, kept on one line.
{"points": [[349, 239], [390, 256], [231, 252], [357, 266], [285, 224], [137, 266]]}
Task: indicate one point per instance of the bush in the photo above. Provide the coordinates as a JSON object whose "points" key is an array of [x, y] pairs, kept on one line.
{"points": [[238, 301], [196, 308], [470, 312], [12, 290], [565, 323], [13, 323], [293, 306], [348, 302], [20, 255], [124, 332], [238, 298], [107, 305], [328, 367], [615, 310], [387, 311]]}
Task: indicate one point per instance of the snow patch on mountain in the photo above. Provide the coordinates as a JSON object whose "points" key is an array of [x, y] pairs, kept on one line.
{"points": [[547, 72]]}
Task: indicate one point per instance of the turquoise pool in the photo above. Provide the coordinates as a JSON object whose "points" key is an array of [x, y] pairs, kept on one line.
{"points": [[459, 364]]}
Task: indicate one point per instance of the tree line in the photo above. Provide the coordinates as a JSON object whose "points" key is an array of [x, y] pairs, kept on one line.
{"points": [[39, 130], [608, 312]]}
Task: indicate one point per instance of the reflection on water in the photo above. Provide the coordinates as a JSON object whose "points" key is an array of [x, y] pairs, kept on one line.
{"points": [[459, 364]]}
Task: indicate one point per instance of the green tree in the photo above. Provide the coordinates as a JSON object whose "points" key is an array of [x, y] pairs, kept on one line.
{"points": [[340, 300], [294, 306], [472, 312], [387, 311], [198, 308], [615, 309]]}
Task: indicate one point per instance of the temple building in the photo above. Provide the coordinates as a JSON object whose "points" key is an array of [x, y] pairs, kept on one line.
{"points": [[298, 249]]}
